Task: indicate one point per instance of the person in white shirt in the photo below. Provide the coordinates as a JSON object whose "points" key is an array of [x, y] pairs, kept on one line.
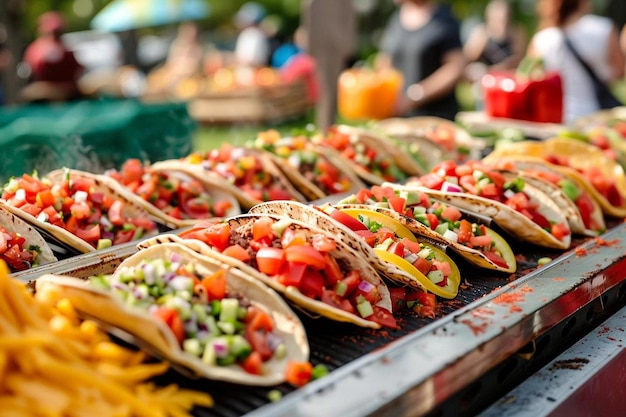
{"points": [[595, 38], [252, 48]]}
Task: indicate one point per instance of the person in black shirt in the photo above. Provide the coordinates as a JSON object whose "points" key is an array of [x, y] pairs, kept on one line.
{"points": [[422, 41]]}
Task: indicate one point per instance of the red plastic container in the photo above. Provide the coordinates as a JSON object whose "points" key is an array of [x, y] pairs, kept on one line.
{"points": [[536, 100]]}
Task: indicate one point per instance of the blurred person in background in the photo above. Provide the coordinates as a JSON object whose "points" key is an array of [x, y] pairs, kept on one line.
{"points": [[496, 44], [595, 39], [186, 52], [422, 41], [54, 70], [296, 64], [252, 47]]}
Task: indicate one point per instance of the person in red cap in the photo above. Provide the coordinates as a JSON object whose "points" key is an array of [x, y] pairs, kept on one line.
{"points": [[54, 68]]}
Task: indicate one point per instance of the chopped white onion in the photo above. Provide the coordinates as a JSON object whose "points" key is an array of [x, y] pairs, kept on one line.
{"points": [[509, 193], [80, 196], [20, 194], [450, 235]]}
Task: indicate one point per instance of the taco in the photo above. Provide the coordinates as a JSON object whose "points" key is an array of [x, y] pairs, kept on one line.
{"points": [[174, 194], [602, 177], [452, 137], [314, 170], [81, 210], [21, 246], [523, 211], [374, 158], [196, 312], [441, 222], [250, 174], [582, 211], [312, 268], [391, 249]]}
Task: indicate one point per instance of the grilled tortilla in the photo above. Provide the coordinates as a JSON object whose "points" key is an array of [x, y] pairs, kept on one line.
{"points": [[241, 232], [34, 243], [156, 336]]}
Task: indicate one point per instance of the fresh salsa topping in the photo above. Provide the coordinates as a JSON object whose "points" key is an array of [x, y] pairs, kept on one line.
{"points": [[301, 155], [479, 179], [383, 239], [76, 205], [594, 174], [243, 168], [176, 194], [371, 159], [298, 258], [208, 321], [15, 253], [440, 217]]}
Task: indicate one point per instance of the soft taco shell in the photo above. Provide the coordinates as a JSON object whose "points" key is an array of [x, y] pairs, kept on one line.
{"points": [[12, 223], [313, 216], [471, 255], [514, 223], [581, 156], [463, 143], [269, 167], [527, 164], [106, 186], [383, 146], [242, 227], [156, 336], [306, 186], [214, 186]]}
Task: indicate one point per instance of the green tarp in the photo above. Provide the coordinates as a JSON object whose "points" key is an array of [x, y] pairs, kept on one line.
{"points": [[91, 135]]}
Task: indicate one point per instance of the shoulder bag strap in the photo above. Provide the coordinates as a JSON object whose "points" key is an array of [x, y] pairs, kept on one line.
{"points": [[586, 66]]}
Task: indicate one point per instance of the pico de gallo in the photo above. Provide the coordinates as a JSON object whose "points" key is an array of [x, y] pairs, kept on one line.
{"points": [[395, 244], [295, 257], [595, 175], [445, 220], [16, 252], [243, 168], [77, 205], [481, 180], [300, 154], [208, 320], [176, 194], [374, 161]]}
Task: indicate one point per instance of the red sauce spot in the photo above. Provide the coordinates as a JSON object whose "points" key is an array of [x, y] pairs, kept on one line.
{"points": [[558, 279], [602, 242], [476, 328], [581, 251]]}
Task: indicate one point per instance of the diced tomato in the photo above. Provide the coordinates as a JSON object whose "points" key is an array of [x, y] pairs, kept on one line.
{"points": [[89, 234], [451, 214], [292, 274], [122, 236], [560, 230], [171, 317], [292, 237], [367, 236], [363, 195], [425, 303], [32, 209], [397, 248], [258, 319], [444, 267], [382, 193], [82, 184], [215, 285], [144, 222], [278, 194], [270, 260], [216, 235], [497, 178], [413, 247], [331, 298], [398, 295], [332, 271], [585, 206], [383, 317], [352, 281], [445, 168], [433, 220], [538, 218], [347, 220], [490, 191], [372, 295], [323, 243], [253, 364], [422, 265], [298, 373], [237, 252], [518, 202], [221, 207], [465, 231], [115, 213], [432, 181], [45, 198], [258, 341], [495, 258], [132, 170], [305, 254], [80, 210], [262, 227], [463, 169], [468, 183], [312, 284], [480, 241], [397, 204]]}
